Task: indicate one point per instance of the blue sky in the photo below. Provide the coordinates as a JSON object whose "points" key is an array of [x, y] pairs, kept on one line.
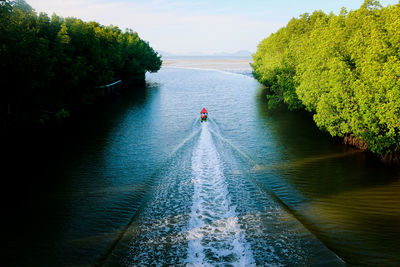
{"points": [[205, 26]]}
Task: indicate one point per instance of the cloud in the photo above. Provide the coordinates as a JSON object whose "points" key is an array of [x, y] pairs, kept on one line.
{"points": [[174, 26]]}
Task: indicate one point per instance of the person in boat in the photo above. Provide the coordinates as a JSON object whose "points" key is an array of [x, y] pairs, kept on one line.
{"points": [[203, 115]]}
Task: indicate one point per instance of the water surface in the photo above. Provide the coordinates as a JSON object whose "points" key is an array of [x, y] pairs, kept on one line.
{"points": [[147, 183]]}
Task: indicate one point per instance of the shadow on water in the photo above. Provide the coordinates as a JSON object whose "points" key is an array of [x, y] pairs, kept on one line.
{"points": [[346, 197], [44, 174]]}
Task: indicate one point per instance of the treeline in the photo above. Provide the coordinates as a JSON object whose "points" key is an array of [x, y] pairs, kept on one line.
{"points": [[51, 68], [344, 68]]}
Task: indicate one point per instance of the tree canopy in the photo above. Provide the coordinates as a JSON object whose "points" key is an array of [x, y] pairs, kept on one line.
{"points": [[344, 68], [52, 66]]}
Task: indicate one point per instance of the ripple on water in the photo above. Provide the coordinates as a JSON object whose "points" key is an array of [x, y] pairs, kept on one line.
{"points": [[275, 236], [202, 212], [157, 235]]}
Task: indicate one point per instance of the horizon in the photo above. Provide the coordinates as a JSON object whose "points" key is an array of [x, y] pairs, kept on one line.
{"points": [[192, 27]]}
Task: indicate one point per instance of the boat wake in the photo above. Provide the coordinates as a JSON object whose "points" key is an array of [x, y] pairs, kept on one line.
{"points": [[204, 209], [214, 234]]}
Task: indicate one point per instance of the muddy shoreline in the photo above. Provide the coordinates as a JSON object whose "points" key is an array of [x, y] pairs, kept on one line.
{"points": [[390, 158]]}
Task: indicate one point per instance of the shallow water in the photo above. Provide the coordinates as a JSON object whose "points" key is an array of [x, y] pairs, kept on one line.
{"points": [[147, 183]]}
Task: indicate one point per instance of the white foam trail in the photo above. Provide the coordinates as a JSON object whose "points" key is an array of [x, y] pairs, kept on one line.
{"points": [[214, 234]]}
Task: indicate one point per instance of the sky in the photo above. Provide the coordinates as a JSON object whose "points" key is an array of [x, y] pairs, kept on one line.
{"points": [[196, 26]]}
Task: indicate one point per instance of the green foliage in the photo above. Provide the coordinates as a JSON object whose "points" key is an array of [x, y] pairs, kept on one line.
{"points": [[62, 114], [51, 67], [344, 68]]}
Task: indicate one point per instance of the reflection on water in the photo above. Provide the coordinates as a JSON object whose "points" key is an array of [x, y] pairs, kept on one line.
{"points": [[301, 162], [348, 199], [132, 188], [363, 218]]}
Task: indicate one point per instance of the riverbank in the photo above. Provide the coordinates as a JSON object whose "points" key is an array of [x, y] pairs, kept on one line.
{"points": [[349, 83], [390, 158]]}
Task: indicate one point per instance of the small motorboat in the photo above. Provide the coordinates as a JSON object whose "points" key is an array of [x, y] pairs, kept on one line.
{"points": [[203, 115]]}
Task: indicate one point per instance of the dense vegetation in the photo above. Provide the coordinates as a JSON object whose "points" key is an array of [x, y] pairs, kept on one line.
{"points": [[52, 67], [344, 68]]}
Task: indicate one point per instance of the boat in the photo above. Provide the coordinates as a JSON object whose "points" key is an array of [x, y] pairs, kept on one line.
{"points": [[203, 115]]}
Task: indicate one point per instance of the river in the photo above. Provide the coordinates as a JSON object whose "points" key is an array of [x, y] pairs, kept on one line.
{"points": [[144, 182]]}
